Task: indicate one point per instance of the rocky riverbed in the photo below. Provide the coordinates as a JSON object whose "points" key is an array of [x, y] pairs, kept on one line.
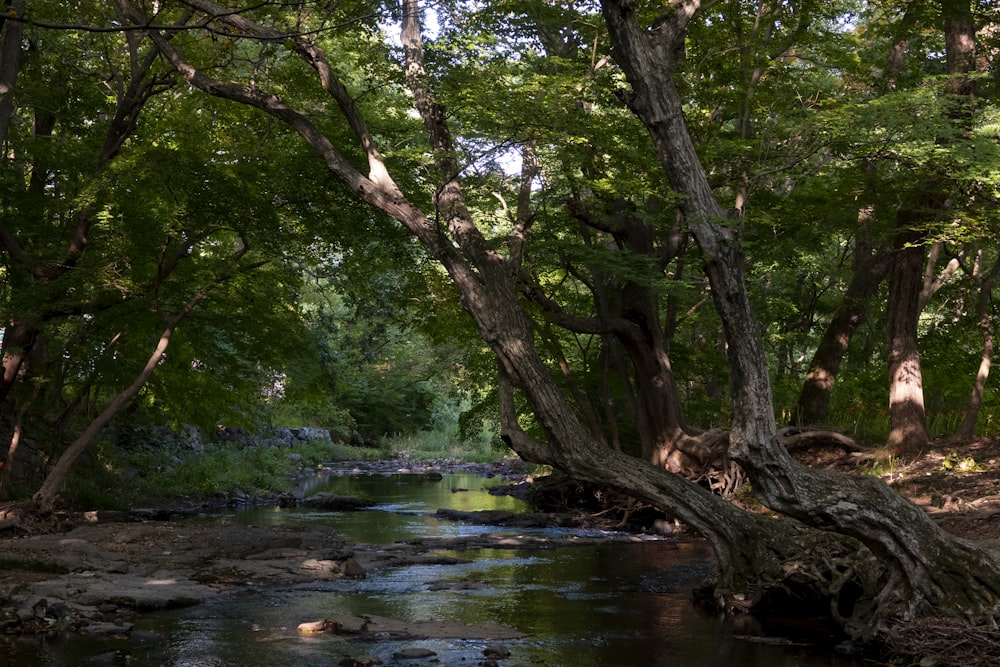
{"points": [[93, 573]]}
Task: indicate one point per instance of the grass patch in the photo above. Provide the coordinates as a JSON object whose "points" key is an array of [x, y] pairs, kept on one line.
{"points": [[445, 443], [155, 473]]}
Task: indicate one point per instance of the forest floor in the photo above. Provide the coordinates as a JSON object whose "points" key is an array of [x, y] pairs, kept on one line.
{"points": [[958, 485]]}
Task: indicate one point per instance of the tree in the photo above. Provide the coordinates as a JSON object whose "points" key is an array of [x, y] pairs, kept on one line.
{"points": [[103, 257], [849, 541], [849, 506]]}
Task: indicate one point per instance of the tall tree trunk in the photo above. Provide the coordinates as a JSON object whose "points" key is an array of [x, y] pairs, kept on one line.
{"points": [[869, 271], [985, 282], [664, 437], [960, 56], [907, 418]]}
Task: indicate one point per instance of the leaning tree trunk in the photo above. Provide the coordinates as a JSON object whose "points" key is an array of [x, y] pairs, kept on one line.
{"points": [[45, 498], [931, 572]]}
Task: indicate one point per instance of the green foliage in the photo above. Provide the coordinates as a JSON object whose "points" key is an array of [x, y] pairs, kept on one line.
{"points": [[955, 463], [445, 440], [157, 472]]}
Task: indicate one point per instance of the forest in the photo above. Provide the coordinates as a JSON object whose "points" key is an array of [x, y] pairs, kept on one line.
{"points": [[655, 245]]}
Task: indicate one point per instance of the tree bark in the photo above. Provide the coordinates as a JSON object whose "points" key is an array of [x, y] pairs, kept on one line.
{"points": [[45, 498], [665, 439], [817, 390], [11, 59], [985, 282], [907, 419]]}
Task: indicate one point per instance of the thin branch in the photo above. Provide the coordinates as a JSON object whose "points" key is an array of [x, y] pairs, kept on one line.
{"points": [[203, 24]]}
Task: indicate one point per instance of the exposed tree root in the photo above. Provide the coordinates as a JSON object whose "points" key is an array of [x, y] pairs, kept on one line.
{"points": [[704, 457], [23, 518], [797, 438], [946, 642]]}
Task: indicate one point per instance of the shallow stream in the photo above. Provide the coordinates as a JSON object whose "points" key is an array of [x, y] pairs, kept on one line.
{"points": [[620, 603]]}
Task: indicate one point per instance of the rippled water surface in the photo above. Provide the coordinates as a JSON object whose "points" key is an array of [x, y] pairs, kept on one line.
{"points": [[620, 603]]}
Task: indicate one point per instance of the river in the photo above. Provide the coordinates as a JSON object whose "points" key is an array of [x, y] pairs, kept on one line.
{"points": [[617, 603]]}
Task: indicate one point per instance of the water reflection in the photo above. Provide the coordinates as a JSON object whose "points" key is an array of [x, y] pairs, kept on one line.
{"points": [[406, 503], [618, 604], [612, 604]]}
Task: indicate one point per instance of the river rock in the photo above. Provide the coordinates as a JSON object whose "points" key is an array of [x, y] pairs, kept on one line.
{"points": [[105, 629], [378, 627], [314, 627], [496, 652], [334, 503], [413, 654], [501, 518], [360, 661], [352, 569]]}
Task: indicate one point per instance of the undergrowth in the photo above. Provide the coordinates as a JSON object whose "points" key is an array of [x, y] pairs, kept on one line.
{"points": [[444, 443], [115, 479], [159, 472]]}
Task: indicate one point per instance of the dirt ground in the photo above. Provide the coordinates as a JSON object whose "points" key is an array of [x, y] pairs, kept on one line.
{"points": [[958, 485]]}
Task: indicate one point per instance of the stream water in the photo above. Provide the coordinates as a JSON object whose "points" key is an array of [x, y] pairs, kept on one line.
{"points": [[619, 603]]}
